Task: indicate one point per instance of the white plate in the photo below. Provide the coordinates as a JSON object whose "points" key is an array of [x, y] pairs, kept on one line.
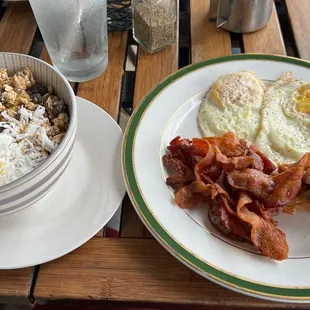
{"points": [[170, 109], [80, 204]]}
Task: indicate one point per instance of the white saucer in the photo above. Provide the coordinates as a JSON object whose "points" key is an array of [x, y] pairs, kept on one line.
{"points": [[80, 204]]}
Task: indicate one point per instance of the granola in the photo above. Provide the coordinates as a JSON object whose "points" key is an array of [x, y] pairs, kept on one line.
{"points": [[33, 121]]}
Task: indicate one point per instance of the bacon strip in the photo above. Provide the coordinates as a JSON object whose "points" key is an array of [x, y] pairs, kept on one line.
{"points": [[306, 177], [189, 196], [233, 163], [182, 149], [205, 149], [229, 144], [223, 217], [269, 239], [227, 223], [287, 184], [256, 182], [305, 161], [261, 161], [275, 190], [182, 175]]}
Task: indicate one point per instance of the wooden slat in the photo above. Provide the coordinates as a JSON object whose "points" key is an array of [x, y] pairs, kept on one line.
{"points": [[45, 56], [17, 28], [299, 11], [151, 69], [105, 90], [132, 270], [267, 40], [207, 41], [14, 284]]}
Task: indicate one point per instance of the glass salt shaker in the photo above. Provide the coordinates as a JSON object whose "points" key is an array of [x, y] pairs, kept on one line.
{"points": [[155, 23]]}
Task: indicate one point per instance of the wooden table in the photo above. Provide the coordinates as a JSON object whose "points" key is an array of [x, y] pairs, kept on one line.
{"points": [[134, 268]]}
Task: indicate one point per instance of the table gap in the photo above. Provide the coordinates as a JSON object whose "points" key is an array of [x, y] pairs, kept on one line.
{"points": [[184, 34], [33, 282], [2, 10], [236, 43], [37, 44], [129, 77]]}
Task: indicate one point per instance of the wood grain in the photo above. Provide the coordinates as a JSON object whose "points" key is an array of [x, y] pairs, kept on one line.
{"points": [[15, 284], [207, 41], [46, 57], [105, 90], [267, 40], [151, 69], [17, 28], [299, 11], [127, 228], [133, 270]]}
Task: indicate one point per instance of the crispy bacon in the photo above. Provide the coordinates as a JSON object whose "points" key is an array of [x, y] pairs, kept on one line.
{"points": [[221, 214], [193, 194], [305, 161], [275, 190], [182, 149], [238, 184], [182, 175], [205, 149], [269, 239], [287, 184], [229, 144], [306, 177], [228, 224], [233, 163], [189, 196], [261, 161], [220, 218], [256, 182]]}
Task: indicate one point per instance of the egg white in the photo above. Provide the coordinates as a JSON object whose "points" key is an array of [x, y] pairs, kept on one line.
{"points": [[233, 103], [284, 135]]}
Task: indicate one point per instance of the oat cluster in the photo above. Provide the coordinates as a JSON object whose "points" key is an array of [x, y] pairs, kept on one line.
{"points": [[33, 121]]}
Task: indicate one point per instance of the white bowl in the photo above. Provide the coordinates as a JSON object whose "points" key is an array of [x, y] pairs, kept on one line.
{"points": [[33, 186]]}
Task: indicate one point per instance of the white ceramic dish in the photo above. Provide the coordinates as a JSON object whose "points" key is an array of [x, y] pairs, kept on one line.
{"points": [[81, 203], [34, 185], [170, 110]]}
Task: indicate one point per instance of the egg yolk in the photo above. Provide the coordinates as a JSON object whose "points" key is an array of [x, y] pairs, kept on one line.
{"points": [[303, 99]]}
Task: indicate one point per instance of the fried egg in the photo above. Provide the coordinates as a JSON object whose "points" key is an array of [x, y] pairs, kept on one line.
{"points": [[285, 125], [233, 103]]}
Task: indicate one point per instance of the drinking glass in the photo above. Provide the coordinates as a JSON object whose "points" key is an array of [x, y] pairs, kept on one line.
{"points": [[75, 35]]}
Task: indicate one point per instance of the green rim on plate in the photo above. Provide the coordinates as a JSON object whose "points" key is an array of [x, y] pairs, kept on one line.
{"points": [[219, 276]]}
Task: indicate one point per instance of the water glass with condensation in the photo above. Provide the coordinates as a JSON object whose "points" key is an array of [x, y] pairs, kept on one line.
{"points": [[75, 34]]}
